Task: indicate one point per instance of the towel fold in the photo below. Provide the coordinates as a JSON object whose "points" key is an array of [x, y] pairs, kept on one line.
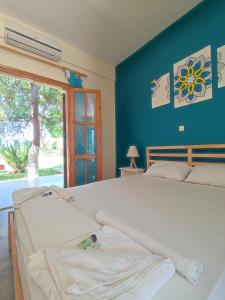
{"points": [[189, 267]]}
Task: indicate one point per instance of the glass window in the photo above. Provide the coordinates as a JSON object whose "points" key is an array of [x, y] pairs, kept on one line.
{"points": [[90, 108], [92, 170], [79, 107], [85, 139], [80, 171]]}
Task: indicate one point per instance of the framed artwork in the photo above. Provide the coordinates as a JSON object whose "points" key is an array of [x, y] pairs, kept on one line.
{"points": [[221, 66], [193, 78], [161, 91]]}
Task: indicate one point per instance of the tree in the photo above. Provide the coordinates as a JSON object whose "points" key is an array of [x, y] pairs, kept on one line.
{"points": [[24, 104], [14, 107], [34, 150], [51, 110]]}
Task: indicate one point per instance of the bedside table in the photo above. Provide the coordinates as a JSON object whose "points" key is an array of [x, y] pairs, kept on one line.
{"points": [[127, 171]]}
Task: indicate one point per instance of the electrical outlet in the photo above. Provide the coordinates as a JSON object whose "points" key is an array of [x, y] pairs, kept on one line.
{"points": [[181, 128]]}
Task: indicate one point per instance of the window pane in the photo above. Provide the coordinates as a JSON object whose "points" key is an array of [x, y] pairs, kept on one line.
{"points": [[92, 170], [79, 107], [80, 139], [85, 139], [91, 107], [80, 171], [91, 140]]}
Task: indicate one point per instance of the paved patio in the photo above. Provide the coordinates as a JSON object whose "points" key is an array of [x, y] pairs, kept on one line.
{"points": [[9, 186]]}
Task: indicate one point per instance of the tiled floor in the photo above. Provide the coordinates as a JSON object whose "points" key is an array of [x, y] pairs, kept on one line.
{"points": [[6, 276]]}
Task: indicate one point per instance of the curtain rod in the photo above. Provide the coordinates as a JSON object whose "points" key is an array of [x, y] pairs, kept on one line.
{"points": [[61, 67]]}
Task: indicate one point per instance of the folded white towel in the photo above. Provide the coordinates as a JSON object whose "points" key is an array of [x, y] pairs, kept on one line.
{"points": [[189, 267], [63, 193], [121, 270], [22, 196]]}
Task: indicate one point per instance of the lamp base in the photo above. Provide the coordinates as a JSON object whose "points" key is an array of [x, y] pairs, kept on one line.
{"points": [[133, 163]]}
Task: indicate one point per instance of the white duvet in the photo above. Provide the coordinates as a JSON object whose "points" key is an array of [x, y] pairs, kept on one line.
{"points": [[121, 269], [188, 267], [189, 218]]}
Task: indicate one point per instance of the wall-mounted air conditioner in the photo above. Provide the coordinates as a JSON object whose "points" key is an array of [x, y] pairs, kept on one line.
{"points": [[27, 39]]}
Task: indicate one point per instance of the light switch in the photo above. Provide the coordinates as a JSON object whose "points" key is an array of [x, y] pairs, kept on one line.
{"points": [[181, 128]]}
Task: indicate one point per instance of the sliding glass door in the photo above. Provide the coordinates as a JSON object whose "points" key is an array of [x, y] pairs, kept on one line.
{"points": [[85, 164]]}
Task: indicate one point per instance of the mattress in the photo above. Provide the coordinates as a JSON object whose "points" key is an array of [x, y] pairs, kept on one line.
{"points": [[189, 218]]}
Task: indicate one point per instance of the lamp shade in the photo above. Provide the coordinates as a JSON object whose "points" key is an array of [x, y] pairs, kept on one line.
{"points": [[132, 152]]}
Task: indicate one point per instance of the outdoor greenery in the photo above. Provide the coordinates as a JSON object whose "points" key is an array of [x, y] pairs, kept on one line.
{"points": [[42, 172], [8, 176], [28, 112], [16, 154], [15, 108]]}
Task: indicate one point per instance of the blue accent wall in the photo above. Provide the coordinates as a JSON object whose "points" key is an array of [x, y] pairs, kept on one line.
{"points": [[136, 122]]}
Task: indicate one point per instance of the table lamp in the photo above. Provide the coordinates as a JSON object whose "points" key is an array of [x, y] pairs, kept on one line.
{"points": [[132, 152]]}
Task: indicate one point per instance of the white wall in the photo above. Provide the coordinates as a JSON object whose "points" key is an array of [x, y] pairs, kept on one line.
{"points": [[101, 75]]}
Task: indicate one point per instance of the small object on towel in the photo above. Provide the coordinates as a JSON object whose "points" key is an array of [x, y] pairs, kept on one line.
{"points": [[22, 196], [88, 243], [46, 194]]}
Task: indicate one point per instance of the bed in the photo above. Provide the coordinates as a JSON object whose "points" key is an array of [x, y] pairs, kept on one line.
{"points": [[185, 216]]}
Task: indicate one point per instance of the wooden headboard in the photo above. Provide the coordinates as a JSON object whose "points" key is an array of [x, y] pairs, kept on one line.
{"points": [[214, 153]]}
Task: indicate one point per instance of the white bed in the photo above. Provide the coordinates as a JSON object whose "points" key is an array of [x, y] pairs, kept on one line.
{"points": [[189, 218]]}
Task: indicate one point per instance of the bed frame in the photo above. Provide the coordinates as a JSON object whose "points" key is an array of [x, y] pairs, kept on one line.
{"points": [[14, 257], [192, 154], [187, 153]]}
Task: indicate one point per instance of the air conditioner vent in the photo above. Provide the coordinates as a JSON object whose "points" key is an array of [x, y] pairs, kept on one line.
{"points": [[32, 41]]}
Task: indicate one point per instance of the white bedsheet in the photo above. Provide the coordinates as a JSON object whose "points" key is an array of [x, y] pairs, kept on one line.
{"points": [[188, 267], [187, 217], [49, 227]]}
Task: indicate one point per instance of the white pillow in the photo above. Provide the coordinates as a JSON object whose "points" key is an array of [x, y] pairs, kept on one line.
{"points": [[166, 162], [208, 174], [169, 170]]}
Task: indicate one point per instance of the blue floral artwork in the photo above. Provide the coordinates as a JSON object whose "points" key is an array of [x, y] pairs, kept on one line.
{"points": [[160, 91], [193, 78], [221, 66]]}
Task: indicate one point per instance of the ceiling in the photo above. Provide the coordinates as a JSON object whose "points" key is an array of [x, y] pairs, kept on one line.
{"points": [[108, 29]]}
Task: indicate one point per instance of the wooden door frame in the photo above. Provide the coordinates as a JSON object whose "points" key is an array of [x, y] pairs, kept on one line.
{"points": [[71, 131], [65, 138], [32, 76]]}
